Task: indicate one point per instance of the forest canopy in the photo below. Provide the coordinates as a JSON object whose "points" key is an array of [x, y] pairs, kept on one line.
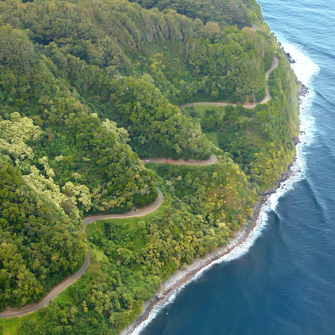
{"points": [[87, 90]]}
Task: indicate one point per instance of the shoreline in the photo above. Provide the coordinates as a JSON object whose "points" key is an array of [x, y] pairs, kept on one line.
{"points": [[182, 277]]}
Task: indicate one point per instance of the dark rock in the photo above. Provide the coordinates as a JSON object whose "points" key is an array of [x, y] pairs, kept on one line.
{"points": [[303, 90], [268, 192], [283, 178], [159, 296], [295, 140], [289, 57]]}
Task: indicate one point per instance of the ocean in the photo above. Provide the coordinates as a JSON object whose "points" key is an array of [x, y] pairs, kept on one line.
{"points": [[282, 279]]}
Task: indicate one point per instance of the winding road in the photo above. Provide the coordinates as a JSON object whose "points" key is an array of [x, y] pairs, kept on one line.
{"points": [[249, 105], [211, 160], [18, 312]]}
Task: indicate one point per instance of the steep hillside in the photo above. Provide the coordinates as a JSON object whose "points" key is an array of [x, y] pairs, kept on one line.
{"points": [[186, 58], [40, 243], [87, 88]]}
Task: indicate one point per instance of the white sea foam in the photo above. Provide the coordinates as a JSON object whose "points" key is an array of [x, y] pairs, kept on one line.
{"points": [[305, 69]]}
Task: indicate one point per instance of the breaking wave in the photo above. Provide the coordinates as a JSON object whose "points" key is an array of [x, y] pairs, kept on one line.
{"points": [[305, 69]]}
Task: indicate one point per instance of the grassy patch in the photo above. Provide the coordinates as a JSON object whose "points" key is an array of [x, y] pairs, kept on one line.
{"points": [[98, 255], [11, 326], [65, 296], [199, 110], [99, 226], [213, 137], [96, 226], [98, 229], [133, 222]]}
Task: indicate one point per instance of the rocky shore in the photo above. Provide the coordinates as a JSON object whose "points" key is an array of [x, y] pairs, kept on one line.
{"points": [[289, 56], [303, 91], [182, 276]]}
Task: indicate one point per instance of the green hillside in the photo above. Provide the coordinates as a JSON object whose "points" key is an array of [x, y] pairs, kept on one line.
{"points": [[87, 89]]}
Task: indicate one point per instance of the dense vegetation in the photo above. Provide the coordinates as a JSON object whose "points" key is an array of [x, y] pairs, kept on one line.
{"points": [[39, 243], [185, 58], [88, 87], [259, 139], [203, 206], [226, 13]]}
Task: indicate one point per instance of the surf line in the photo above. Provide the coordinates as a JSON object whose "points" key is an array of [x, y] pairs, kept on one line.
{"points": [[244, 239], [237, 247], [168, 292]]}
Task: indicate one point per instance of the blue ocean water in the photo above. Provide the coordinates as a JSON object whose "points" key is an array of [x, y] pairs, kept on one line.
{"points": [[283, 280]]}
